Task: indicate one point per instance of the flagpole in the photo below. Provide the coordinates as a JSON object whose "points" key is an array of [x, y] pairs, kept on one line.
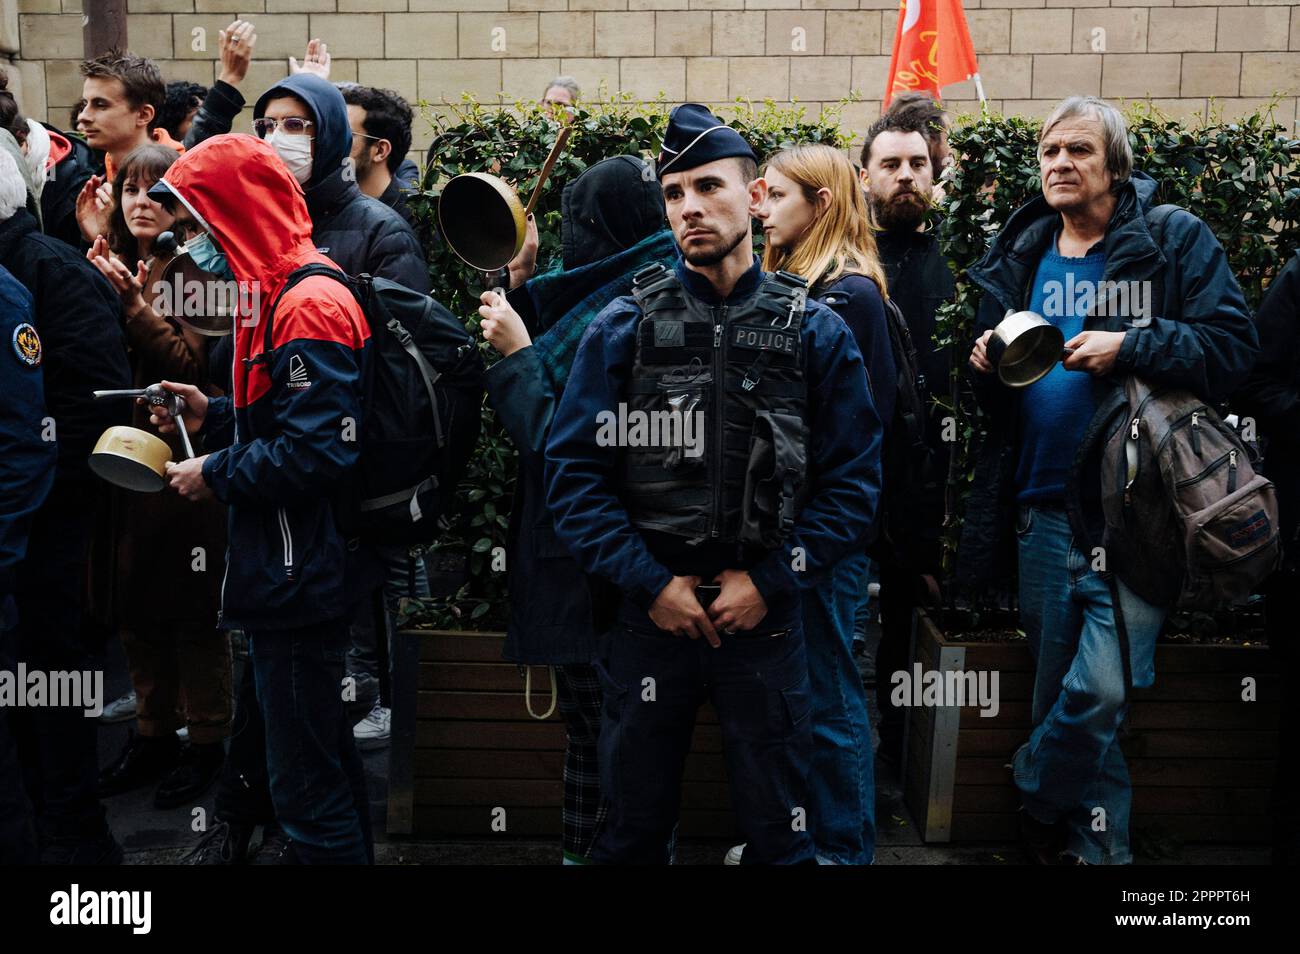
{"points": [[979, 87]]}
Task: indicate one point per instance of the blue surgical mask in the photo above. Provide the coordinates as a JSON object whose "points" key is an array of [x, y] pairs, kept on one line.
{"points": [[207, 257]]}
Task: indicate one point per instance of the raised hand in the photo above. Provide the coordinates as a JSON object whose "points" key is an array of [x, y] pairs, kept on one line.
{"points": [[236, 43], [316, 60], [94, 206]]}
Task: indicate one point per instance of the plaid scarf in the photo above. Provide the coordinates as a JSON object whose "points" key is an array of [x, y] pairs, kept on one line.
{"points": [[567, 302]]}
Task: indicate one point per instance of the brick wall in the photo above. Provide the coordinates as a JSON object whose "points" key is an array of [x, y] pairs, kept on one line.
{"points": [[1180, 53]]}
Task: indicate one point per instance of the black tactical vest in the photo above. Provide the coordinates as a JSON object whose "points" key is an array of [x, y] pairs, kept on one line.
{"points": [[716, 437]]}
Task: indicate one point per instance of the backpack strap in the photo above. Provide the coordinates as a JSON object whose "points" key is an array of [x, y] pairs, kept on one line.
{"points": [[1157, 218], [297, 275], [1121, 629]]}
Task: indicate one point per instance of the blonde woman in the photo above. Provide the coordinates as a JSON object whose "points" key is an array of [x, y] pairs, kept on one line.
{"points": [[815, 222]]}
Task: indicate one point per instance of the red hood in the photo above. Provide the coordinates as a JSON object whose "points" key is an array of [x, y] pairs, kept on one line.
{"points": [[240, 189], [59, 148]]}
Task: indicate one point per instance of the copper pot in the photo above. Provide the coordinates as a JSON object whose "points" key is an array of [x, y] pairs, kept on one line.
{"points": [[482, 219]]}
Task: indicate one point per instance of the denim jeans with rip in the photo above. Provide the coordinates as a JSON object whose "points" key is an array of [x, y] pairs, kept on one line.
{"points": [[1072, 768]]}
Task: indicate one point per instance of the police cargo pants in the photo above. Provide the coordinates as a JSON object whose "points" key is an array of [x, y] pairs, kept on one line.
{"points": [[654, 683]]}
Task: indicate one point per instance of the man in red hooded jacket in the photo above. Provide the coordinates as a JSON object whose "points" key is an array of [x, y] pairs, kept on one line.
{"points": [[281, 450]]}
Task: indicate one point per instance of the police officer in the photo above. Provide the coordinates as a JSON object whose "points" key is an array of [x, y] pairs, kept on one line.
{"points": [[715, 452], [26, 475]]}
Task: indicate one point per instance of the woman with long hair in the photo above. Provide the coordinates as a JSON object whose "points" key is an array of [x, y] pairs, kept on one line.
{"points": [[816, 225], [180, 662]]}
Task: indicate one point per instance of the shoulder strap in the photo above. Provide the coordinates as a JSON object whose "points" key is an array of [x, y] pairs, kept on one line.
{"points": [[1156, 219], [652, 284], [297, 275], [788, 294]]}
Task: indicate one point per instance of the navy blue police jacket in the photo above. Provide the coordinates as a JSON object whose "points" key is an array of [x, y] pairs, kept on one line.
{"points": [[844, 463]]}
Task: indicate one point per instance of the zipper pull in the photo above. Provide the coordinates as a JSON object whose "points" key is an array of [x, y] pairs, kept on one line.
{"points": [[1232, 471], [1133, 433], [717, 336], [1196, 433]]}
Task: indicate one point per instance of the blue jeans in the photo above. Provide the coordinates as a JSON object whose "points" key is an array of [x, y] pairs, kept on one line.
{"points": [[317, 781], [861, 614], [841, 783], [1072, 769], [653, 684]]}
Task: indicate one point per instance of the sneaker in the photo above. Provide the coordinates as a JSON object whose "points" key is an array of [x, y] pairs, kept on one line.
{"points": [[360, 695], [120, 709], [225, 844], [372, 731], [196, 770], [734, 854], [144, 760], [276, 848]]}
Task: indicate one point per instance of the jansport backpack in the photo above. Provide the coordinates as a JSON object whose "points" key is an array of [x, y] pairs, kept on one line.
{"points": [[423, 406], [907, 463], [1187, 519]]}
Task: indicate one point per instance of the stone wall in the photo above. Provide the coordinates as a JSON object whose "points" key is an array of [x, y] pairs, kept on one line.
{"points": [[1180, 53]]}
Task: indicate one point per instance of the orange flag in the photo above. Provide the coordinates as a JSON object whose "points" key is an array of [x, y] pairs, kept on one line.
{"points": [[932, 49]]}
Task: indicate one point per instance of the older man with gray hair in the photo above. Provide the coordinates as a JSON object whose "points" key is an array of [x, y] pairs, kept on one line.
{"points": [[1185, 325], [561, 97]]}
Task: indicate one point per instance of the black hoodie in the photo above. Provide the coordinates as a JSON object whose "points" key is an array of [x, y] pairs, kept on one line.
{"points": [[359, 233], [608, 209]]}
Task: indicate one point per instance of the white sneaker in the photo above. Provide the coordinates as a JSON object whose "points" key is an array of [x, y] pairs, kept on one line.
{"points": [[120, 709], [733, 855], [372, 731]]}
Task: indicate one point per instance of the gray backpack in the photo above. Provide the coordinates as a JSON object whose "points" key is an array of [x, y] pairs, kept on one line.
{"points": [[1188, 520]]}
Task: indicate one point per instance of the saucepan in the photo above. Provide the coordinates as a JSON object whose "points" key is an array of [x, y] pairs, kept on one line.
{"points": [[482, 219], [1025, 346], [133, 459]]}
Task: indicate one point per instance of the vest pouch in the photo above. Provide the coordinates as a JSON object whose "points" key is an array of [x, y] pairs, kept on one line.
{"points": [[684, 395], [777, 469]]}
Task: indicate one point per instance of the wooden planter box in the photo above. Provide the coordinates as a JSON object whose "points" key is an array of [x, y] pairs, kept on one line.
{"points": [[464, 745], [1201, 760]]}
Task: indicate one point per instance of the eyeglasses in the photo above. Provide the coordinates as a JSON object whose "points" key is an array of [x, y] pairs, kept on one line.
{"points": [[293, 125]]}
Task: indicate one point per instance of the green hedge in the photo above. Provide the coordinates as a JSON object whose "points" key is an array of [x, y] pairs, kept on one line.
{"points": [[1254, 208]]}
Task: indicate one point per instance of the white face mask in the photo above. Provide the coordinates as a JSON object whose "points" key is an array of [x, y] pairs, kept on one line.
{"points": [[294, 151]]}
